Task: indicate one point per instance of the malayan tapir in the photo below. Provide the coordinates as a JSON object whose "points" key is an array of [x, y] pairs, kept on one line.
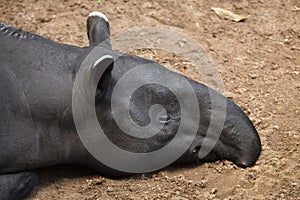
{"points": [[36, 122]]}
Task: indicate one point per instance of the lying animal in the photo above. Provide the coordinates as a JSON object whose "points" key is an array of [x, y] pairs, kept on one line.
{"points": [[37, 127]]}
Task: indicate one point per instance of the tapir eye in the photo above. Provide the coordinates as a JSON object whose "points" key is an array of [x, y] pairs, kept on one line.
{"points": [[195, 150], [165, 119]]}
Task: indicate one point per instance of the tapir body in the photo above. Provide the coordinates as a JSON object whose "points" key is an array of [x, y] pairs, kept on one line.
{"points": [[36, 121]]}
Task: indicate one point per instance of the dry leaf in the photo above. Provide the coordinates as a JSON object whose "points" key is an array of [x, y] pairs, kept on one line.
{"points": [[295, 8], [226, 14]]}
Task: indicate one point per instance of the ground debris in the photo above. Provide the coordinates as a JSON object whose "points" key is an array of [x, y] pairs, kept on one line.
{"points": [[226, 14]]}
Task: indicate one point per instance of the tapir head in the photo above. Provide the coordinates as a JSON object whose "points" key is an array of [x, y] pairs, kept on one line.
{"points": [[155, 107]]}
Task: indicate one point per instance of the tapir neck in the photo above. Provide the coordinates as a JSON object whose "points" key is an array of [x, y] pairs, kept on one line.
{"points": [[39, 85]]}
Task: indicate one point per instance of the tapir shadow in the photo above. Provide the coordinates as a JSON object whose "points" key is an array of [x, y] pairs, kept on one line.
{"points": [[53, 174]]}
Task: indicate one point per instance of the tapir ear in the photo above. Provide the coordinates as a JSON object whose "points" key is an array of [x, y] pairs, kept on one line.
{"points": [[98, 29], [101, 75]]}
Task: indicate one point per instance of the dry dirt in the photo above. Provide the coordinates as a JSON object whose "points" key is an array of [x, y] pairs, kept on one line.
{"points": [[258, 60]]}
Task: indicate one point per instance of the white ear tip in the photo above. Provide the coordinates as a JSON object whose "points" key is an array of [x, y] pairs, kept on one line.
{"points": [[98, 14], [108, 58]]}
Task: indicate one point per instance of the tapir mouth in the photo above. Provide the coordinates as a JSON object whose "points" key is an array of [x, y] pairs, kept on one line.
{"points": [[231, 146], [241, 148], [242, 152], [213, 156]]}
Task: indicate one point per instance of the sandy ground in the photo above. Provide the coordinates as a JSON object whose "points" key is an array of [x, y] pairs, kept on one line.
{"points": [[259, 63]]}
